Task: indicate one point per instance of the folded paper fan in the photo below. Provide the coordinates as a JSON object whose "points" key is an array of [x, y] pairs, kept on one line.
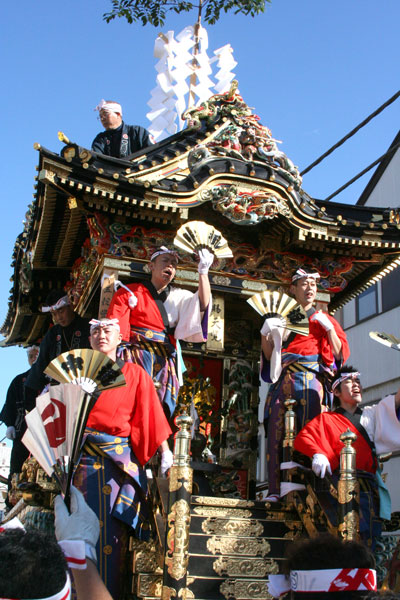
{"points": [[84, 362], [53, 429], [195, 235], [387, 339], [280, 305]]}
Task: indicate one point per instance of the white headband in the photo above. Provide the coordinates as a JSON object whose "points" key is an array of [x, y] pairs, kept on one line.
{"points": [[95, 323], [65, 593], [300, 273], [64, 301], [164, 250], [343, 377], [323, 580], [112, 106]]}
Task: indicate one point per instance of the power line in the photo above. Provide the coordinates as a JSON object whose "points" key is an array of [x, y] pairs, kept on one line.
{"points": [[378, 160], [349, 135]]}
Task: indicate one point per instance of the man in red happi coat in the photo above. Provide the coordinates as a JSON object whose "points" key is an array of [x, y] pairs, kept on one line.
{"points": [[378, 431]]}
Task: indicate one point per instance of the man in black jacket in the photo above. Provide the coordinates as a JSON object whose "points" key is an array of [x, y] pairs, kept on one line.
{"points": [[70, 331], [118, 139], [19, 399]]}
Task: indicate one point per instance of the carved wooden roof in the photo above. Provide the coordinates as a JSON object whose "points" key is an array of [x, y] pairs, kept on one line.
{"points": [[225, 169]]}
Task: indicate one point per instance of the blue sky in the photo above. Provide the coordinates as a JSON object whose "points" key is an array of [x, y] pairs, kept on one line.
{"points": [[312, 70]]}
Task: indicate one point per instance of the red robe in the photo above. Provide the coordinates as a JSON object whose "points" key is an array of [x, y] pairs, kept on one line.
{"points": [[132, 411], [316, 342], [322, 436], [145, 313]]}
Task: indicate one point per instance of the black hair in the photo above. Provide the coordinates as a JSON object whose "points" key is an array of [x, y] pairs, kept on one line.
{"points": [[32, 564], [337, 375], [54, 296], [327, 551]]}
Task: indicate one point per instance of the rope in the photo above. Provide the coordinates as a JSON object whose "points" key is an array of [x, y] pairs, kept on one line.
{"points": [[351, 133], [378, 160]]}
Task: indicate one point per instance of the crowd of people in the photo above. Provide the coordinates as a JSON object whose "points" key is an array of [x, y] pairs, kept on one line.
{"points": [[129, 425]]}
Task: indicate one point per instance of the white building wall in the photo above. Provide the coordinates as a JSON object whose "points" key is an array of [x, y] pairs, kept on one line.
{"points": [[379, 365], [392, 470], [386, 192]]}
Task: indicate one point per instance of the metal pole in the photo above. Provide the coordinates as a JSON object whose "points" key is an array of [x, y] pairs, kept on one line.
{"points": [[348, 489], [178, 526]]}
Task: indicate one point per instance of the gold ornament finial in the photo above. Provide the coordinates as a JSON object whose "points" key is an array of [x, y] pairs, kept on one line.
{"points": [[63, 138]]}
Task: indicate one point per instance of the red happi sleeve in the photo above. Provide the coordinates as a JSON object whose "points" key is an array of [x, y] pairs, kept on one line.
{"points": [[120, 309], [322, 436]]}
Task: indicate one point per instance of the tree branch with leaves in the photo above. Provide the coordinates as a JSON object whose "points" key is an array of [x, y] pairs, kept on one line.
{"points": [[154, 13]]}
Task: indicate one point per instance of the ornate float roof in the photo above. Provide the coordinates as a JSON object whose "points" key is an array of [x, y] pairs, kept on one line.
{"points": [[226, 169]]}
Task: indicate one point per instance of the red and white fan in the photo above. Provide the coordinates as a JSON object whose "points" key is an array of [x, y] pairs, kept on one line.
{"points": [[55, 427], [52, 426]]}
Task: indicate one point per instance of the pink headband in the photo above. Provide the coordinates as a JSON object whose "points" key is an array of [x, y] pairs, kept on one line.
{"points": [[323, 580], [300, 273], [343, 377], [164, 250], [64, 301], [94, 323], [112, 106]]}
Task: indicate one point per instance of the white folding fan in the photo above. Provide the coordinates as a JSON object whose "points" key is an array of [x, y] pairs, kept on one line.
{"points": [[84, 362], [280, 305], [387, 339], [195, 235]]}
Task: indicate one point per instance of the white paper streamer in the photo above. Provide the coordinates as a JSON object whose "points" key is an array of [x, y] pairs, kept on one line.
{"points": [[225, 64], [175, 66]]}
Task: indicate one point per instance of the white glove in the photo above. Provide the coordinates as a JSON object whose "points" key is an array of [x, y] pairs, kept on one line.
{"points": [[10, 433], [81, 524], [271, 324], [206, 260], [320, 464], [167, 458], [323, 320], [87, 384]]}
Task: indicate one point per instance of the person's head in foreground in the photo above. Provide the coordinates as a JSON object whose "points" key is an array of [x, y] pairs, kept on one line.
{"points": [[304, 286], [326, 567], [105, 336], [346, 387], [32, 566]]}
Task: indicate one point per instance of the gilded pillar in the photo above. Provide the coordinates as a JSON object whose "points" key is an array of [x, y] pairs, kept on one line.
{"points": [[288, 441], [348, 489], [290, 429], [178, 525]]}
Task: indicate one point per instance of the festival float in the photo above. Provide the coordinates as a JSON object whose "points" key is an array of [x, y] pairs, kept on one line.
{"points": [[96, 219]]}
